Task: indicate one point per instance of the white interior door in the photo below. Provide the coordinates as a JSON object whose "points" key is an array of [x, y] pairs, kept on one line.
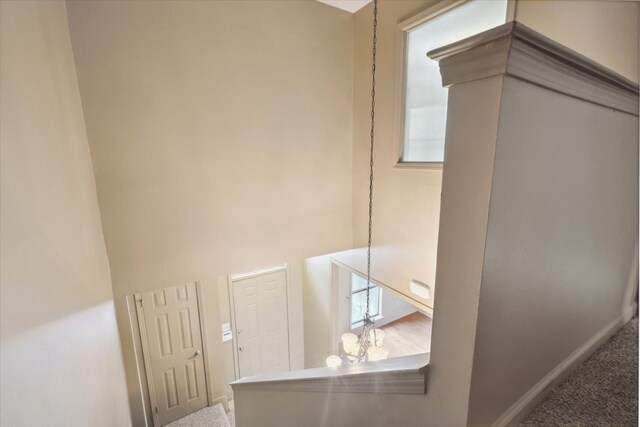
{"points": [[262, 326], [174, 351]]}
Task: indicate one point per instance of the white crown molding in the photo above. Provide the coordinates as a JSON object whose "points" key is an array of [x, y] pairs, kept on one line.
{"points": [[516, 50]]}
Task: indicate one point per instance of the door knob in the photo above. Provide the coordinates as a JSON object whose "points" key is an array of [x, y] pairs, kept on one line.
{"points": [[195, 354], [241, 348]]}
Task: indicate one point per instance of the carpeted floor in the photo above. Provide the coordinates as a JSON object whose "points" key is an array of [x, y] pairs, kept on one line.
{"points": [[211, 416], [603, 391]]}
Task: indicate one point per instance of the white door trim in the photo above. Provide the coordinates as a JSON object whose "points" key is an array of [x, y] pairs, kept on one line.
{"points": [[203, 337], [147, 361], [243, 276], [233, 278]]}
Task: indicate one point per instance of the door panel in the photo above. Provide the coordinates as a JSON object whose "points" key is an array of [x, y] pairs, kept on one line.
{"points": [[262, 325], [174, 346]]}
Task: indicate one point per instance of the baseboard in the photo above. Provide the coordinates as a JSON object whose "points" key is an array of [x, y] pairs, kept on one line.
{"points": [[530, 399], [223, 400]]}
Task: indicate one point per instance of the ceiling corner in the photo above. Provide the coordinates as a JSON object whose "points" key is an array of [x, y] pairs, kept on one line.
{"points": [[349, 5]]}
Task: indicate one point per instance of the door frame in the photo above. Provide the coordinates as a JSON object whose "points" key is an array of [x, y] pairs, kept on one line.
{"points": [[233, 278], [142, 328]]}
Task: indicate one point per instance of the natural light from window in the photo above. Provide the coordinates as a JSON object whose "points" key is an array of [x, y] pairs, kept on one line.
{"points": [[359, 300], [425, 99]]}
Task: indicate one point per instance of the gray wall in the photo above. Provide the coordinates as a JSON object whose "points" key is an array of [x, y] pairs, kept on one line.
{"points": [[563, 226]]}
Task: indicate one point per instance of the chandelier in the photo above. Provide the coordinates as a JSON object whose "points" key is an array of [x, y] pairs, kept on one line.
{"points": [[367, 346]]}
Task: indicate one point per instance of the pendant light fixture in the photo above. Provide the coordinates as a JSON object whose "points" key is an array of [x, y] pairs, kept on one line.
{"points": [[368, 346]]}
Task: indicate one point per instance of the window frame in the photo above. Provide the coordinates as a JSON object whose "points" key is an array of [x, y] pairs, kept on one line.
{"points": [[379, 313], [403, 29]]}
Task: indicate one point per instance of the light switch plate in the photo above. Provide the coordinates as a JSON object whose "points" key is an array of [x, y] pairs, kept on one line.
{"points": [[226, 332]]}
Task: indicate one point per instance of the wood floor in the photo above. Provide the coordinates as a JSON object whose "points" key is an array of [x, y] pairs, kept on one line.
{"points": [[408, 335]]}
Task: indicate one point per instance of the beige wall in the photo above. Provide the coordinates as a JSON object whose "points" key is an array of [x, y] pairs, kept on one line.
{"points": [[221, 139], [406, 201], [317, 301], [531, 236], [221, 143], [605, 30], [465, 206], [60, 354]]}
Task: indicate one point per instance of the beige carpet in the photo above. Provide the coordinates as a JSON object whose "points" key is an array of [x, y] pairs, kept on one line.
{"points": [[603, 391], [211, 416]]}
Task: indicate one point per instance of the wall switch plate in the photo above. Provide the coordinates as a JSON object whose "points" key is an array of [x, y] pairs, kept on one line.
{"points": [[226, 332]]}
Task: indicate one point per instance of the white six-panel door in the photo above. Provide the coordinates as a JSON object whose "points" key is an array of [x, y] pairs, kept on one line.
{"points": [[174, 350], [262, 323]]}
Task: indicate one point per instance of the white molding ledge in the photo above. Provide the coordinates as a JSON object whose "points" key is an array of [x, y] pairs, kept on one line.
{"points": [[518, 51], [399, 375]]}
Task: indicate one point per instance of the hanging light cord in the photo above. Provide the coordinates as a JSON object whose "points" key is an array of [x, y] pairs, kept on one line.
{"points": [[373, 115]]}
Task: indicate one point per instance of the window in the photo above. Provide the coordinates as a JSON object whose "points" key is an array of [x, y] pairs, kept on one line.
{"points": [[425, 100], [359, 300]]}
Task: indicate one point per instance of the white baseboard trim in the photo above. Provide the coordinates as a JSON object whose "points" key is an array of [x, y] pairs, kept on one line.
{"points": [[530, 399]]}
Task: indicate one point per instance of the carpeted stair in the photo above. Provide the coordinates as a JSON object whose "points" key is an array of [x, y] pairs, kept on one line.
{"points": [[211, 416], [603, 391]]}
